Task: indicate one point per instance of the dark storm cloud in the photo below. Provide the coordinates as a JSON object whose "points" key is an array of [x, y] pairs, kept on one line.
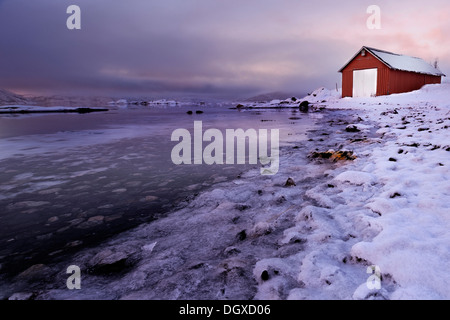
{"points": [[185, 46]]}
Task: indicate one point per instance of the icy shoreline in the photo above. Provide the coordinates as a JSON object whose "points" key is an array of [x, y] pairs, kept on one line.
{"points": [[241, 240], [258, 238]]}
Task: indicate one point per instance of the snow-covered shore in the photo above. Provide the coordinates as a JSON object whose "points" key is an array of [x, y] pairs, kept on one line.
{"points": [[258, 238], [411, 171]]}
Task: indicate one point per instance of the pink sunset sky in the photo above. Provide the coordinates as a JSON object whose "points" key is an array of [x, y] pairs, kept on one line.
{"points": [[205, 47]]}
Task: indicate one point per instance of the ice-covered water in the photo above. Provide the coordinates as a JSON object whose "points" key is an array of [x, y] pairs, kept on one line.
{"points": [[369, 227], [68, 181], [233, 234]]}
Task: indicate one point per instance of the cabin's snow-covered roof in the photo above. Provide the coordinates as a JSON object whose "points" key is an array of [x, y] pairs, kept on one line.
{"points": [[401, 62]]}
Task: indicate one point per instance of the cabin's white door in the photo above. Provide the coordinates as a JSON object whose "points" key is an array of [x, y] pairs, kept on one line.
{"points": [[365, 82]]}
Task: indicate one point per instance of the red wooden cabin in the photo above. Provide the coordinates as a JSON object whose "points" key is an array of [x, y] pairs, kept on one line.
{"points": [[373, 72]]}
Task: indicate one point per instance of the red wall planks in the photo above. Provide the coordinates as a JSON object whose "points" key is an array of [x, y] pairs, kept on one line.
{"points": [[389, 81]]}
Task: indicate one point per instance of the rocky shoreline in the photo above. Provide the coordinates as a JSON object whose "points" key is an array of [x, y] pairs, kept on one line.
{"points": [[244, 239]]}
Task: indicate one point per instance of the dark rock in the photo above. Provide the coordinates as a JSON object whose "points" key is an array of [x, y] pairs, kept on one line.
{"points": [[290, 182], [385, 113], [356, 140], [304, 106], [352, 129], [87, 110], [335, 155], [392, 159], [199, 112], [265, 275], [395, 195], [294, 99], [241, 236], [242, 207], [298, 239], [323, 155], [415, 145], [189, 112], [196, 266], [240, 106]]}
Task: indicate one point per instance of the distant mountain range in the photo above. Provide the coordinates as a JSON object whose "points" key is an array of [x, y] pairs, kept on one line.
{"points": [[8, 97], [11, 98], [273, 96]]}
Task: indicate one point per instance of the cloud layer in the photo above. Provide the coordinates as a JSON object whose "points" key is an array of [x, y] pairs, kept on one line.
{"points": [[210, 47]]}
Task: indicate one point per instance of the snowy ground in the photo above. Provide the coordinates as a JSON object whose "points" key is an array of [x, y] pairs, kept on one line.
{"points": [[410, 172], [256, 238]]}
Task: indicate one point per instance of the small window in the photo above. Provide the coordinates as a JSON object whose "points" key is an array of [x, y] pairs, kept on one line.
{"points": [[363, 53]]}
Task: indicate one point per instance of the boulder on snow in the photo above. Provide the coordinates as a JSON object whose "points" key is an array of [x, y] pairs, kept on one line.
{"points": [[241, 236], [290, 183], [352, 128], [333, 155], [304, 106]]}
